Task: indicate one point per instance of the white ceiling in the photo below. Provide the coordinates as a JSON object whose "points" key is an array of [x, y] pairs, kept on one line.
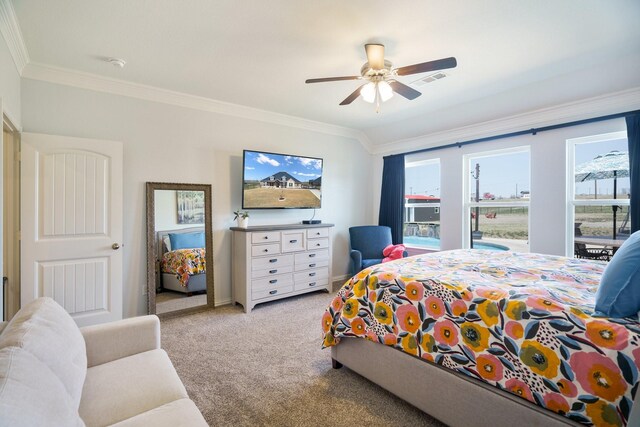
{"points": [[513, 56]]}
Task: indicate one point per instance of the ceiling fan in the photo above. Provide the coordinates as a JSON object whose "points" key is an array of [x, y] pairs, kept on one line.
{"points": [[381, 77]]}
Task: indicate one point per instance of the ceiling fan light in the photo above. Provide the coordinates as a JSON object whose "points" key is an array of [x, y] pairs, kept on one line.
{"points": [[385, 91], [368, 92]]}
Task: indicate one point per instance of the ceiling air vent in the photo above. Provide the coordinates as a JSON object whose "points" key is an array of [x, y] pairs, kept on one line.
{"points": [[430, 78]]}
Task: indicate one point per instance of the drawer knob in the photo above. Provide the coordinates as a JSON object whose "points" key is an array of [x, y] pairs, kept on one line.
{"points": [[317, 244], [265, 250], [273, 271], [318, 233], [312, 274], [293, 241], [312, 255], [312, 265], [273, 281], [312, 284], [273, 292], [273, 260], [266, 237]]}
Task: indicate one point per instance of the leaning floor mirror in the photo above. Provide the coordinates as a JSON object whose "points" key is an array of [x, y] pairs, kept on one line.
{"points": [[179, 247]]}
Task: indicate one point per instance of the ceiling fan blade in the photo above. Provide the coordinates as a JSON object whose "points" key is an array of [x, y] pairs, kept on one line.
{"points": [[375, 55], [331, 79], [349, 99], [424, 67], [404, 90]]}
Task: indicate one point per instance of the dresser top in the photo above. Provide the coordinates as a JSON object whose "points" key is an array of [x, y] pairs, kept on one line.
{"points": [[279, 227]]}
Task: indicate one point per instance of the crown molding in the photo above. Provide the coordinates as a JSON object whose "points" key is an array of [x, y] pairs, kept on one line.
{"points": [[113, 86], [617, 102], [10, 29]]}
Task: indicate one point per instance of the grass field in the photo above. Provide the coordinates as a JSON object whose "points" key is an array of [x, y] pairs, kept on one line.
{"points": [[279, 198], [512, 223]]}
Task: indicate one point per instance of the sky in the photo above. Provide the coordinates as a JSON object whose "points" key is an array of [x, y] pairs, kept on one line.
{"points": [[501, 175], [258, 166]]}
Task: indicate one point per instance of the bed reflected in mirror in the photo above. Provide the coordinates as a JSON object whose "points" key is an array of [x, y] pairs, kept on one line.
{"points": [[179, 260]]}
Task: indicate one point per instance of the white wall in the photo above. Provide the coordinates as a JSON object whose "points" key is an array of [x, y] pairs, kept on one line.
{"points": [[548, 205], [165, 143], [9, 85]]}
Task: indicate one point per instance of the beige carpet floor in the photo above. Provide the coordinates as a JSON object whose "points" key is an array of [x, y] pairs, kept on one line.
{"points": [[266, 368], [169, 301]]}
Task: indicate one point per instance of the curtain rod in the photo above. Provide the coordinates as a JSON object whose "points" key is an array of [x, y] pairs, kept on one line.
{"points": [[532, 131]]}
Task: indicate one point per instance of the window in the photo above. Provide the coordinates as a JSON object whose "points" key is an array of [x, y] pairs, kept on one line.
{"points": [[496, 197], [598, 187], [422, 205]]}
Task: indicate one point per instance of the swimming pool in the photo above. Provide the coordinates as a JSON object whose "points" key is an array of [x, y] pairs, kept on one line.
{"points": [[433, 243]]}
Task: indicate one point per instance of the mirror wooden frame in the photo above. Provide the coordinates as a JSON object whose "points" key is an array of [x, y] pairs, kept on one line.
{"points": [[151, 238]]}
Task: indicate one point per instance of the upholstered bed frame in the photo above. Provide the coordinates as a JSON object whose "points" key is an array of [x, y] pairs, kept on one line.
{"points": [[169, 281], [449, 396]]}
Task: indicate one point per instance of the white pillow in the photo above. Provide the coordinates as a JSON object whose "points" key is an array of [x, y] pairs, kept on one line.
{"points": [[31, 394], [47, 331], [167, 243]]}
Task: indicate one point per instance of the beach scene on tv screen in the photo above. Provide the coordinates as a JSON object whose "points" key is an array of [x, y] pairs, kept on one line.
{"points": [[281, 181]]}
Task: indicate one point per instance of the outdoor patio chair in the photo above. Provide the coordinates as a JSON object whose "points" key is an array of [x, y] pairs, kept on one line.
{"points": [[581, 251]]}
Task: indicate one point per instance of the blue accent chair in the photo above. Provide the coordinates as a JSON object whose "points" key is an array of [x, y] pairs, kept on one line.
{"points": [[367, 244]]}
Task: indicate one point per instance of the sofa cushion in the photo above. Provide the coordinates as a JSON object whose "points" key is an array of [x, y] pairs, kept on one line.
{"points": [[118, 390], [47, 331], [179, 413], [31, 394]]}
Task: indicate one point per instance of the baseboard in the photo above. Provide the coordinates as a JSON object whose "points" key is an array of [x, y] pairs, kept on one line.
{"points": [[338, 281], [222, 302]]}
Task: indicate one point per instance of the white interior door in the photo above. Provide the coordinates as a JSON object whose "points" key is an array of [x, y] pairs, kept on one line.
{"points": [[72, 225]]}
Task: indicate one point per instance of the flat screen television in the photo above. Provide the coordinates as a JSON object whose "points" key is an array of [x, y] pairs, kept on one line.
{"points": [[281, 181]]}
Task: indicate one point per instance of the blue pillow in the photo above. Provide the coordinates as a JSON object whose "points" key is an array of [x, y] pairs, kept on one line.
{"points": [[619, 291], [186, 240]]}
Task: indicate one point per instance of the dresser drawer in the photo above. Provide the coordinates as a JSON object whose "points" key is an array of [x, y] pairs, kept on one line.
{"points": [[311, 263], [312, 256], [270, 286], [265, 236], [317, 232], [272, 271], [310, 284], [317, 243], [258, 250], [294, 241], [271, 262], [315, 274], [266, 293], [271, 282]]}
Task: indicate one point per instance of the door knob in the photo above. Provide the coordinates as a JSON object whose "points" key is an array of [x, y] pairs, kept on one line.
{"points": [[115, 246]]}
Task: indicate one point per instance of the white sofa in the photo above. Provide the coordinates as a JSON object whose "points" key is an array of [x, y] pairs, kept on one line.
{"points": [[53, 373]]}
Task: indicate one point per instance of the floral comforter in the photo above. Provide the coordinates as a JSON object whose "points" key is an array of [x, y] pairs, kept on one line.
{"points": [[521, 322], [184, 263]]}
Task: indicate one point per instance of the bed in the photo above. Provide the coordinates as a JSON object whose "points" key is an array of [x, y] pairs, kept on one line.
{"points": [[182, 270], [477, 337]]}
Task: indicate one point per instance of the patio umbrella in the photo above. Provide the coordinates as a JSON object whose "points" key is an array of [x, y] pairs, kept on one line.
{"points": [[614, 164]]}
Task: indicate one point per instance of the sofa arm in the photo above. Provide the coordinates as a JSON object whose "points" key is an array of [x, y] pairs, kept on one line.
{"points": [[122, 338], [356, 261]]}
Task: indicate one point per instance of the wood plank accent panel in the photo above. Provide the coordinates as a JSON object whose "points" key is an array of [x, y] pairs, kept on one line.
{"points": [[78, 285], [75, 194]]}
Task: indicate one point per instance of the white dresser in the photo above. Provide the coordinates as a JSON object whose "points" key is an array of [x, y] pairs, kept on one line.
{"points": [[273, 262]]}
